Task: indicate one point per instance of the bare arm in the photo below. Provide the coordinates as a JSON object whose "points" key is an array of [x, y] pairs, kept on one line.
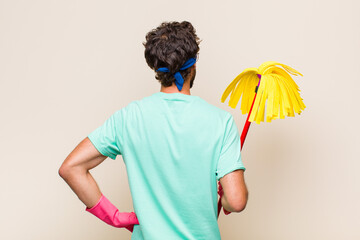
{"points": [[235, 191], [75, 171]]}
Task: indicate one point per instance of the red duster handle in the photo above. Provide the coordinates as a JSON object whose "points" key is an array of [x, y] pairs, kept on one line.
{"points": [[242, 138]]}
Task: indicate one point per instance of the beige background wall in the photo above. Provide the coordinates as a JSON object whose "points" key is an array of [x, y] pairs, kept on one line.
{"points": [[65, 66]]}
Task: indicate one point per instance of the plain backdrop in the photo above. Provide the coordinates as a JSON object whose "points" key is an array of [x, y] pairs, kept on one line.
{"points": [[66, 66]]}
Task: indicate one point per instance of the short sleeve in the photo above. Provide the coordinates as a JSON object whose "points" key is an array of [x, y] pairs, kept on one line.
{"points": [[107, 138], [230, 156]]}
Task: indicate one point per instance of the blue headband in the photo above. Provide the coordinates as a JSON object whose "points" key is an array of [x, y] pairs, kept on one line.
{"points": [[179, 80]]}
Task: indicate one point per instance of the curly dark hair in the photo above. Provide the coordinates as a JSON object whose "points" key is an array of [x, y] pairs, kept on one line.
{"points": [[170, 45]]}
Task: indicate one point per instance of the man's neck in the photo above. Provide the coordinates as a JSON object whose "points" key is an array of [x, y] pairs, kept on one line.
{"points": [[173, 89], [186, 86]]}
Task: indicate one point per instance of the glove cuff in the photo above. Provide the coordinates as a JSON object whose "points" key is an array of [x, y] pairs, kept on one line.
{"points": [[108, 213]]}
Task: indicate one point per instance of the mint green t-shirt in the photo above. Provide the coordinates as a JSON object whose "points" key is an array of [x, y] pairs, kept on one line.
{"points": [[175, 148]]}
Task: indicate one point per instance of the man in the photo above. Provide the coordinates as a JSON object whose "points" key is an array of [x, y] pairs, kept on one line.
{"points": [[175, 147]]}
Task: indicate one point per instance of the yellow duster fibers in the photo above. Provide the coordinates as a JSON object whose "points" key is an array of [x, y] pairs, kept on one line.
{"points": [[276, 86]]}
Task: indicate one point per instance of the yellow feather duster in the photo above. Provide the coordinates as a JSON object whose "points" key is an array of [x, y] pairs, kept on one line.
{"points": [[276, 86]]}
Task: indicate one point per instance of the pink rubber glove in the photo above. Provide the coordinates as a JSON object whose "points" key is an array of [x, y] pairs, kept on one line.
{"points": [[108, 213], [221, 193]]}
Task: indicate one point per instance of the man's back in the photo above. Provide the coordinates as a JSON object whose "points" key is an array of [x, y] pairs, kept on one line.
{"points": [[175, 147]]}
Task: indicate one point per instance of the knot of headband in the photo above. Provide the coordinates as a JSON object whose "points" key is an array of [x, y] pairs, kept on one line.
{"points": [[179, 80]]}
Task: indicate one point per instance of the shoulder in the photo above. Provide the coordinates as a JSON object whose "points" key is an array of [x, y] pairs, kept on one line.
{"points": [[134, 107], [214, 109], [127, 109]]}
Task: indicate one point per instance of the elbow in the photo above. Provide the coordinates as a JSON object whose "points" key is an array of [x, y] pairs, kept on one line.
{"points": [[68, 171], [240, 204], [65, 171], [70, 168], [239, 207]]}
